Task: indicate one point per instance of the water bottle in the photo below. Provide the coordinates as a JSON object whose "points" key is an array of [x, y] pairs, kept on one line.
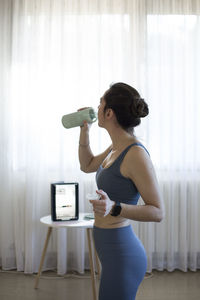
{"points": [[76, 119]]}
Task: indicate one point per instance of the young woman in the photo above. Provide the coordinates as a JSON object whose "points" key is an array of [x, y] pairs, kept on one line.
{"points": [[124, 172]]}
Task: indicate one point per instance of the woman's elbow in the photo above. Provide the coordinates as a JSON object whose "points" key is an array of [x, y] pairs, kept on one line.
{"points": [[160, 215], [84, 169]]}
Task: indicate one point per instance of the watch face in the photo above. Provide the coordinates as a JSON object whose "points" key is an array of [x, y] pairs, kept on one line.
{"points": [[116, 210]]}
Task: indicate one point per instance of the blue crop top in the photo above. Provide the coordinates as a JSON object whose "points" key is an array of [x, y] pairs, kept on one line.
{"points": [[118, 187]]}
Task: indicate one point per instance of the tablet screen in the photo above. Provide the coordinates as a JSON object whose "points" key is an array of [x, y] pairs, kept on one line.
{"points": [[65, 201]]}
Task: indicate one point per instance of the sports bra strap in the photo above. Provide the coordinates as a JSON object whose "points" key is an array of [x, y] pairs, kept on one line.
{"points": [[123, 153], [138, 144]]}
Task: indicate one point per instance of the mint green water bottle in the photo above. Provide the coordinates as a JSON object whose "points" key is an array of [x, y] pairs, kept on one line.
{"points": [[76, 119]]}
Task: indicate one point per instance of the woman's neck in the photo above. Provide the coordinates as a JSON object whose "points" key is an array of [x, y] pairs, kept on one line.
{"points": [[120, 138]]}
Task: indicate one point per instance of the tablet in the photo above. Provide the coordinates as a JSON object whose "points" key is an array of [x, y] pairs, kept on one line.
{"points": [[64, 201]]}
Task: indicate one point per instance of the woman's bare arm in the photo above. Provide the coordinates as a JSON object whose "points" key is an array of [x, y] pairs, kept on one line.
{"points": [[88, 162], [138, 167]]}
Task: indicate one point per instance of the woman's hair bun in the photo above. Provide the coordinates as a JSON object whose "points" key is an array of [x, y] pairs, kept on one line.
{"points": [[127, 105], [139, 108]]}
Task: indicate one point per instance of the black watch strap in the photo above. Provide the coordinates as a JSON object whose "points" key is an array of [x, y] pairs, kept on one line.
{"points": [[116, 209]]}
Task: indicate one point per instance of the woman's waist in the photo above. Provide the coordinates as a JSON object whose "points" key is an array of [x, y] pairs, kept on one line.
{"points": [[110, 221]]}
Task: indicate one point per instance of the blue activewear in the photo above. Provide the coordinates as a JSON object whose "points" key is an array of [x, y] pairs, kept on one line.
{"points": [[122, 255]]}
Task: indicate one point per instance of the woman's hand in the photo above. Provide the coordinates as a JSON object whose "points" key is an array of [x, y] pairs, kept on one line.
{"points": [[104, 205], [86, 126]]}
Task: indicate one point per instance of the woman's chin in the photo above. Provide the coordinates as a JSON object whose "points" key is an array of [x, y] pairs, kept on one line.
{"points": [[100, 125]]}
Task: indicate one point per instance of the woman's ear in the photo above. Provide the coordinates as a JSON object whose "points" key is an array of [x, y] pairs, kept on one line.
{"points": [[109, 113]]}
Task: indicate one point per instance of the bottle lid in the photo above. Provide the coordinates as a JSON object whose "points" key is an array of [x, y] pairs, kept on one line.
{"points": [[93, 115]]}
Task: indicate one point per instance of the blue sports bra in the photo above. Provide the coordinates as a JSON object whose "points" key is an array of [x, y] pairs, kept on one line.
{"points": [[118, 187]]}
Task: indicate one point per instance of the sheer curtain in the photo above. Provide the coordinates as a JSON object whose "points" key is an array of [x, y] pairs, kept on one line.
{"points": [[57, 56]]}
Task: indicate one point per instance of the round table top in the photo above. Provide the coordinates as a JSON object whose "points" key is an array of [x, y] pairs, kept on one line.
{"points": [[80, 223]]}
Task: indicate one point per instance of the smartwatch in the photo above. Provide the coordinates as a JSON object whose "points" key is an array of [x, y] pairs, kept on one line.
{"points": [[116, 209]]}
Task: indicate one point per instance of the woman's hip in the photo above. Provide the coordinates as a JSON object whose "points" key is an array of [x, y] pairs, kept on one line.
{"points": [[118, 242]]}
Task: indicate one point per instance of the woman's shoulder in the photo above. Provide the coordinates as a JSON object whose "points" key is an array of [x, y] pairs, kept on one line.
{"points": [[136, 163], [137, 150], [136, 157]]}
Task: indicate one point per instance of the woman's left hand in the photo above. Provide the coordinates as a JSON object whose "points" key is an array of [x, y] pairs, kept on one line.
{"points": [[103, 206]]}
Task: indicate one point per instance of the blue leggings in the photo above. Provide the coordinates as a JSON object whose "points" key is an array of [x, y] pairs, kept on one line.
{"points": [[123, 260]]}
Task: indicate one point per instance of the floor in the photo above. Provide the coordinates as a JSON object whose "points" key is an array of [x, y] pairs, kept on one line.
{"points": [[161, 286]]}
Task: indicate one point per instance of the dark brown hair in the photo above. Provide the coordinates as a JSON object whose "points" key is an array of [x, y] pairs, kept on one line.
{"points": [[127, 105]]}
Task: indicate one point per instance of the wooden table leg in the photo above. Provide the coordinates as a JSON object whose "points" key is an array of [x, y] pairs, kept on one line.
{"points": [[92, 265], [43, 256]]}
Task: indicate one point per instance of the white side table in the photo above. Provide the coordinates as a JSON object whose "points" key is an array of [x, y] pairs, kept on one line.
{"points": [[81, 223]]}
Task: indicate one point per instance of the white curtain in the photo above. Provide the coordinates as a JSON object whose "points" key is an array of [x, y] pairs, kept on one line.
{"points": [[57, 56]]}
